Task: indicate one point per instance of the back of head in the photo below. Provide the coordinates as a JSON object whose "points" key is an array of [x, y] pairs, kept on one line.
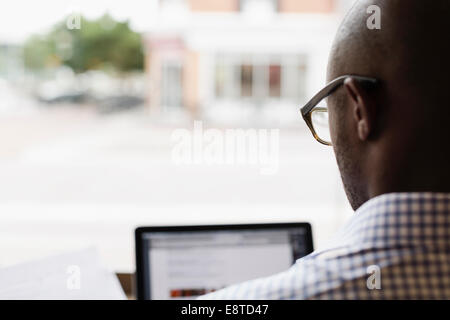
{"points": [[410, 55], [411, 49]]}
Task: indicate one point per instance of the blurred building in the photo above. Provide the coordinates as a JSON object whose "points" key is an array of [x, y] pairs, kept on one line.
{"points": [[238, 59]]}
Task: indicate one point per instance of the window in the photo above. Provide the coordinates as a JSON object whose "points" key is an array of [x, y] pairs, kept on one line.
{"points": [[260, 77], [274, 80], [86, 156], [246, 80], [293, 80], [227, 79], [171, 88]]}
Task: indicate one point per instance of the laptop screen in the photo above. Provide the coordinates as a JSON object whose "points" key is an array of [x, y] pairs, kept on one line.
{"points": [[187, 264]]}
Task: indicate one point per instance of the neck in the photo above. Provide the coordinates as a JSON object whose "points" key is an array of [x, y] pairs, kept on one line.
{"points": [[400, 170]]}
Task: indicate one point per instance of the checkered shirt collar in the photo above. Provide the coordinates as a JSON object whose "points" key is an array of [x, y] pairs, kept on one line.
{"points": [[399, 219]]}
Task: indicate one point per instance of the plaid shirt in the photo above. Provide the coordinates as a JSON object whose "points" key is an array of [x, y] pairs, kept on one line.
{"points": [[397, 246]]}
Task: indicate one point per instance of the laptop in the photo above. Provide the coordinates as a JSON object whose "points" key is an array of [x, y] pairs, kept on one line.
{"points": [[184, 262]]}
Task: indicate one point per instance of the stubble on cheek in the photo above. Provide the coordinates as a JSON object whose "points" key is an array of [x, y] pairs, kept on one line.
{"points": [[348, 161]]}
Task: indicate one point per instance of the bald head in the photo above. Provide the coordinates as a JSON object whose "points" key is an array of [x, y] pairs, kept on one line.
{"points": [[411, 46], [385, 139]]}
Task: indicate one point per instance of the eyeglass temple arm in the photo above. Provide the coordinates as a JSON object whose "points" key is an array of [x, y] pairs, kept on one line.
{"points": [[329, 88]]}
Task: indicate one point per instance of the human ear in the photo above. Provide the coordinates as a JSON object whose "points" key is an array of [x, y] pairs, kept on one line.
{"points": [[362, 108]]}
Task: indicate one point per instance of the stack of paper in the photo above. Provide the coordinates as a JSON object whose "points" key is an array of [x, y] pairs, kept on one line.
{"points": [[75, 275]]}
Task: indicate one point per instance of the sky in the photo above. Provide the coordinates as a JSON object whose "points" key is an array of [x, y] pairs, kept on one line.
{"points": [[21, 18]]}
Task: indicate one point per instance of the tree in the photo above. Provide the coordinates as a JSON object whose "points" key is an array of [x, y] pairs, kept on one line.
{"points": [[98, 44]]}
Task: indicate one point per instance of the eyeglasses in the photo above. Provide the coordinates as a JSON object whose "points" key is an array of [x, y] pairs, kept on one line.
{"points": [[315, 112]]}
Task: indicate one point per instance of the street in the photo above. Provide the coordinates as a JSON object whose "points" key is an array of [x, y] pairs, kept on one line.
{"points": [[72, 178]]}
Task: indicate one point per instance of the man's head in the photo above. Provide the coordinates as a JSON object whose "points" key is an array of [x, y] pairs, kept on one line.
{"points": [[393, 137]]}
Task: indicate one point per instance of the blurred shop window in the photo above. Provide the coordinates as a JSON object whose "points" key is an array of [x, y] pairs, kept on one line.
{"points": [[278, 78], [171, 91], [293, 80], [246, 80], [227, 78], [275, 80]]}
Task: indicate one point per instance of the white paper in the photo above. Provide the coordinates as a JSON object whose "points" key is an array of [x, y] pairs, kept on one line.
{"points": [[74, 275]]}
